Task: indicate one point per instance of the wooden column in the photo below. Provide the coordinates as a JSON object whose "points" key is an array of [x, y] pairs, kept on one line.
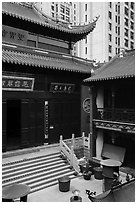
{"points": [[4, 122], [93, 109], [24, 123], [113, 101], [40, 137]]}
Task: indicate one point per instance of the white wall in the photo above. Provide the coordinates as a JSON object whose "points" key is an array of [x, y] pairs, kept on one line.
{"points": [[99, 143], [100, 98]]}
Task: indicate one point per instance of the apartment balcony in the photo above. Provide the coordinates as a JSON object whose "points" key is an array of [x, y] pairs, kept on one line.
{"points": [[115, 119]]}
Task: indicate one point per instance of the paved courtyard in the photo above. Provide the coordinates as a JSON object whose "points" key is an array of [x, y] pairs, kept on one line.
{"points": [[52, 194]]}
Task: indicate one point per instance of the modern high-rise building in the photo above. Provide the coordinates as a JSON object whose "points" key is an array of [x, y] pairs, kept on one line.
{"points": [[57, 10], [115, 29]]}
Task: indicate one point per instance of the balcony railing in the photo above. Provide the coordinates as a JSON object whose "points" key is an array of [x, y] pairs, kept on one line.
{"points": [[117, 115]]}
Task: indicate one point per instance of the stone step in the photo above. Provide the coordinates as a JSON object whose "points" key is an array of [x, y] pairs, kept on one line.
{"points": [[29, 166], [37, 172], [36, 177], [28, 161], [47, 166], [34, 172]]}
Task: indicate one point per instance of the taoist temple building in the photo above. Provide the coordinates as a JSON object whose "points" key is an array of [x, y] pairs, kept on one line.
{"points": [[41, 80]]}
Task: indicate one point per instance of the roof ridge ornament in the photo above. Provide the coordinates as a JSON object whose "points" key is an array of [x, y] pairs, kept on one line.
{"points": [[92, 71]]}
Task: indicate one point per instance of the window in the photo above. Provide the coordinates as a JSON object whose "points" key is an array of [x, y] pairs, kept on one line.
{"points": [[86, 40], [126, 11], [52, 15], [110, 26], [116, 19], [132, 5], [85, 18], [126, 21], [74, 12], [118, 9], [74, 5], [85, 7], [126, 3], [110, 15], [110, 4], [132, 25], [110, 37], [126, 32], [52, 8], [56, 7], [116, 50], [132, 15], [118, 30], [126, 42], [86, 50], [110, 48], [131, 45], [67, 11], [62, 17], [118, 41], [62, 9], [132, 35], [67, 19]]}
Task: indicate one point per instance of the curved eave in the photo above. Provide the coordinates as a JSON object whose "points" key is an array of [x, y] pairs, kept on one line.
{"points": [[75, 30], [109, 78], [39, 61]]}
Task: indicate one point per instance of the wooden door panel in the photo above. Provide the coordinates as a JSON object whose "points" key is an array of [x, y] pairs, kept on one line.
{"points": [[64, 118]]}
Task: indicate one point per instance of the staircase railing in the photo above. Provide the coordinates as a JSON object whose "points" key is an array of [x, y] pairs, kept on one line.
{"points": [[65, 150], [68, 146]]}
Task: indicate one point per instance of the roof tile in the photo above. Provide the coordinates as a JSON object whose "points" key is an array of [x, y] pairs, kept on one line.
{"points": [[116, 68], [31, 58]]}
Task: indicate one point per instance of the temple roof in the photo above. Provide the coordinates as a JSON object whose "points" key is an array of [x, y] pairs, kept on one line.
{"points": [[35, 57], [117, 68], [28, 12]]}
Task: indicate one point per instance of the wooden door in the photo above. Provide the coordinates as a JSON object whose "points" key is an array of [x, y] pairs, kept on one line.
{"points": [[64, 119]]}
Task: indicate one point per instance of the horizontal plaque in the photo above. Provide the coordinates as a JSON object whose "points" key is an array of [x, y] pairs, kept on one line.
{"points": [[14, 83], [14, 35], [62, 88]]}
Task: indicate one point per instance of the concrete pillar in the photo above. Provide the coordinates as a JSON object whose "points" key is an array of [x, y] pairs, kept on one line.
{"points": [[93, 109], [99, 143]]}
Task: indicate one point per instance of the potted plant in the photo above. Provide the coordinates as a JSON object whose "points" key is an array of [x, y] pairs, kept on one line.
{"points": [[87, 172]]}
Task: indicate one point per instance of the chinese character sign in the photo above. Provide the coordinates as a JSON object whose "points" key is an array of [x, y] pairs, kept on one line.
{"points": [[62, 88], [15, 35], [14, 83]]}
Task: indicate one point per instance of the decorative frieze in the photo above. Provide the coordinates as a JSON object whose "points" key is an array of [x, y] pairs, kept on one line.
{"points": [[116, 126]]}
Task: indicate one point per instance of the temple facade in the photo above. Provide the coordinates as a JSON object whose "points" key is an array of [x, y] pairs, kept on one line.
{"points": [[41, 80]]}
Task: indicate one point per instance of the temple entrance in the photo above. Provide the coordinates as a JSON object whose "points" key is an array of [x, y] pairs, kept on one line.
{"points": [[13, 124], [64, 119]]}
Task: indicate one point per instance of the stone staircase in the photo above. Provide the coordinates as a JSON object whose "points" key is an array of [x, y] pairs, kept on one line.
{"points": [[38, 172]]}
